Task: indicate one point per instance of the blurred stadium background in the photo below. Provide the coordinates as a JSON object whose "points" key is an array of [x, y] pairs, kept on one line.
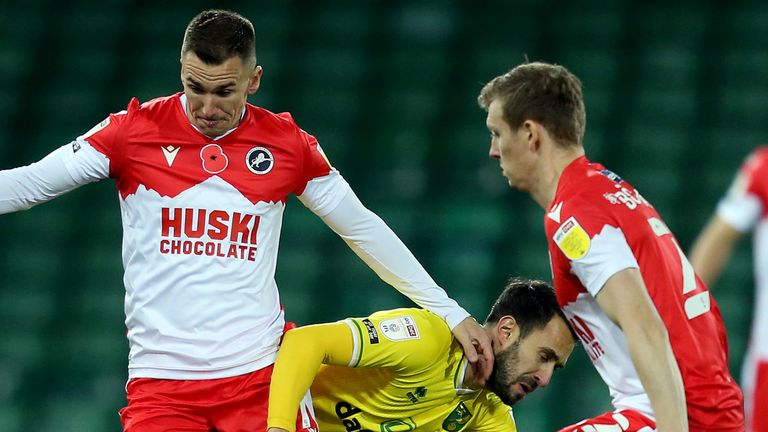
{"points": [[676, 97]]}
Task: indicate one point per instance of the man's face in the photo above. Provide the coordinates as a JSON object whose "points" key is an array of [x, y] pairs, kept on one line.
{"points": [[510, 148], [524, 365], [216, 94]]}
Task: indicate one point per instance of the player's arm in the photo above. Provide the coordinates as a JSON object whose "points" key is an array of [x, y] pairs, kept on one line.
{"points": [[27, 186], [624, 299], [712, 249], [376, 244], [301, 354]]}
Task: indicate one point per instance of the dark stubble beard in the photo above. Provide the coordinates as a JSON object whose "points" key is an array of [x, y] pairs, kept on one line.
{"points": [[505, 374]]}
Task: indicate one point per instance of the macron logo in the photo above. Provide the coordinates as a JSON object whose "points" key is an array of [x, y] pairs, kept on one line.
{"points": [[170, 153], [554, 214]]}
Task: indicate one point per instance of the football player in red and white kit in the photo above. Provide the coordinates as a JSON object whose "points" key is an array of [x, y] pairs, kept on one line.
{"points": [[645, 319], [744, 208], [203, 179]]}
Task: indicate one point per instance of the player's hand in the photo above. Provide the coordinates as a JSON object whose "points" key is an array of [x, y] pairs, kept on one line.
{"points": [[477, 347]]}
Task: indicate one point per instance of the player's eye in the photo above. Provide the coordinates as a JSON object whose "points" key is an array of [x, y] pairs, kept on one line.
{"points": [[224, 93]]}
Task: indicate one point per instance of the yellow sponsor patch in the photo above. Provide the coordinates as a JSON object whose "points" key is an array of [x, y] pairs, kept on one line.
{"points": [[572, 239]]}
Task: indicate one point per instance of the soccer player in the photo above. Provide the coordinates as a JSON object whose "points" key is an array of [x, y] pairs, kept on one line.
{"points": [[203, 178], [402, 369], [648, 324], [744, 208]]}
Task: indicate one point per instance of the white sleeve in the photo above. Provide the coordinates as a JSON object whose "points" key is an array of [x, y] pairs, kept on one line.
{"points": [[63, 170], [608, 254], [376, 244], [739, 208]]}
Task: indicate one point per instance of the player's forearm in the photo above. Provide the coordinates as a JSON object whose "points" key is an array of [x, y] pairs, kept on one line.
{"points": [[24, 187], [301, 354], [712, 248], [658, 371], [297, 363], [376, 244]]}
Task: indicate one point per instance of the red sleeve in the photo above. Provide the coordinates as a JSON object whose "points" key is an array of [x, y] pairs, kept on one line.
{"points": [[315, 163], [108, 136], [755, 171]]}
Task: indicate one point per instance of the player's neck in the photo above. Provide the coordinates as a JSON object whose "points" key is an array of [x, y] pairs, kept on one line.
{"points": [[470, 381], [550, 171]]}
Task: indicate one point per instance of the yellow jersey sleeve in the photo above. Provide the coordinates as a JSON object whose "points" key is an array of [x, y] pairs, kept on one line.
{"points": [[407, 340], [302, 352]]}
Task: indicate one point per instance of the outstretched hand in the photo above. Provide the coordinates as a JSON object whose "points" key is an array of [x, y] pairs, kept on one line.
{"points": [[477, 347]]}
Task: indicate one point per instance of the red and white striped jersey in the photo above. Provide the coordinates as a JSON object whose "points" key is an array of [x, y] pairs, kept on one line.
{"points": [[598, 225]]}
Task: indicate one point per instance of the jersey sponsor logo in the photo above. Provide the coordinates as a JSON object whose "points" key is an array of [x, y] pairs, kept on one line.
{"points": [[214, 159], [458, 418], [220, 233], [399, 329], [75, 146], [373, 335], [346, 412], [630, 198], [572, 239], [591, 345], [170, 153], [419, 393], [554, 214], [259, 160]]}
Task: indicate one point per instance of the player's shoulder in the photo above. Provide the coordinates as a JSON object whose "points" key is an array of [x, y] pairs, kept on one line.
{"points": [[492, 414], [413, 324], [265, 118], [757, 160]]}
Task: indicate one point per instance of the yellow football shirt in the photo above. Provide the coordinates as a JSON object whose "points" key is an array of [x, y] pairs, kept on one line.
{"points": [[406, 374]]}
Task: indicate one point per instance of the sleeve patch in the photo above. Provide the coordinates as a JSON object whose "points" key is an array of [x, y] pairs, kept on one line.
{"points": [[373, 335], [571, 238], [400, 329]]}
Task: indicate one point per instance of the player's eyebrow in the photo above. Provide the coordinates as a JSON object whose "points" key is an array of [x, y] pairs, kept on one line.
{"points": [[551, 355], [191, 81]]}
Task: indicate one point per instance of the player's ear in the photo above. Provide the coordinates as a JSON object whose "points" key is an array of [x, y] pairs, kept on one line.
{"points": [[507, 329], [255, 80], [532, 133]]}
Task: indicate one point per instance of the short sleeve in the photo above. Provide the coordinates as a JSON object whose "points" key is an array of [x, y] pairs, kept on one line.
{"points": [[107, 136], [408, 340], [592, 243], [747, 197]]}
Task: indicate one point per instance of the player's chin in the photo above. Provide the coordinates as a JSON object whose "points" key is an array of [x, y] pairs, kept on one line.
{"points": [[512, 397]]}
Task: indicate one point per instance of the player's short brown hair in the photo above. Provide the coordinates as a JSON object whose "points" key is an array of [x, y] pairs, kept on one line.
{"points": [[217, 35], [546, 93]]}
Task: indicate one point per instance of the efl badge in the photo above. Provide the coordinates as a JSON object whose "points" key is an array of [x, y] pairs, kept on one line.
{"points": [[572, 239], [259, 160], [398, 329], [214, 159]]}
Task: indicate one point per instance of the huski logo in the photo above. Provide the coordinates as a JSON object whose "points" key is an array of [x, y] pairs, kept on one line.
{"points": [[170, 153]]}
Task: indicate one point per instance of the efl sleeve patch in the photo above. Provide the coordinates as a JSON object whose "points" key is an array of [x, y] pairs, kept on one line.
{"points": [[571, 238], [400, 328]]}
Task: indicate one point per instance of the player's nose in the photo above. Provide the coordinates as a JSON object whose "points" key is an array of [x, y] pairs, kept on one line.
{"points": [[544, 375], [493, 152]]}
